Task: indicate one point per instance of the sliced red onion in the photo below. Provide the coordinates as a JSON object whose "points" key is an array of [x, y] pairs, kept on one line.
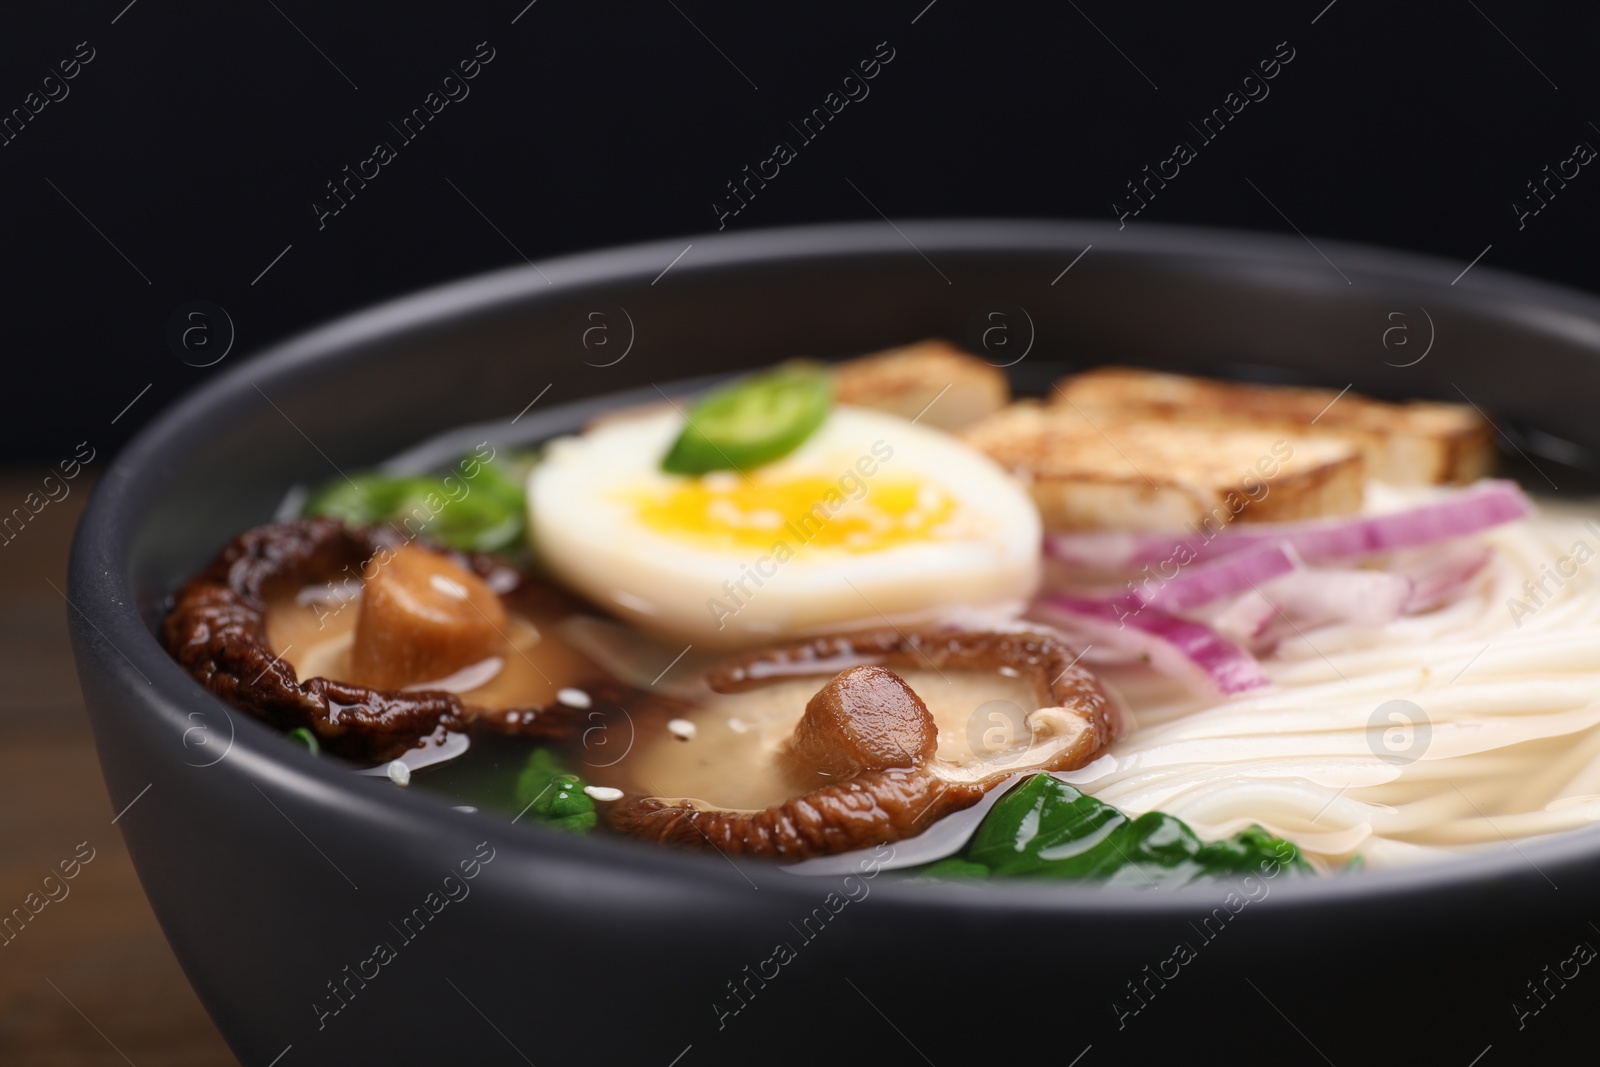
{"points": [[1173, 645], [1478, 507], [1197, 588], [1440, 576], [1325, 597], [1203, 583], [1319, 597], [1243, 619]]}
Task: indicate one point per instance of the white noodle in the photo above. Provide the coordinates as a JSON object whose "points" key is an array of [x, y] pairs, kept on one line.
{"points": [[1510, 747]]}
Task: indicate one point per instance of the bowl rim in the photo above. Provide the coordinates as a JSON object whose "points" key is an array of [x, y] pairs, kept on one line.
{"points": [[106, 618]]}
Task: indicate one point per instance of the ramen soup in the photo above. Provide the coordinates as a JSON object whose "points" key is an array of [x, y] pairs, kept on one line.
{"points": [[1148, 629]]}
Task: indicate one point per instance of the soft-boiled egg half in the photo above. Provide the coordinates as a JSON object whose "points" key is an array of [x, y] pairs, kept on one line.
{"points": [[872, 519]]}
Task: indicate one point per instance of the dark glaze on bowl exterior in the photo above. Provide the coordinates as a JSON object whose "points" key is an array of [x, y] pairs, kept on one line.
{"points": [[304, 902]]}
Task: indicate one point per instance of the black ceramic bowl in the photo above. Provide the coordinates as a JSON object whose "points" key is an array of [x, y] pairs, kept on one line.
{"points": [[276, 875]]}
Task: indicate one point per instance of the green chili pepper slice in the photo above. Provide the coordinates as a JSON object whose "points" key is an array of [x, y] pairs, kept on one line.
{"points": [[753, 421]]}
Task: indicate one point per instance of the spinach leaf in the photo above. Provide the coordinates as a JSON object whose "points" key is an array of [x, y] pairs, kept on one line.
{"points": [[1044, 828]]}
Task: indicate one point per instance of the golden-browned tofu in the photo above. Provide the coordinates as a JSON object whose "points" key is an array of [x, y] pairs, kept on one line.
{"points": [[1155, 474], [909, 381], [1417, 443]]}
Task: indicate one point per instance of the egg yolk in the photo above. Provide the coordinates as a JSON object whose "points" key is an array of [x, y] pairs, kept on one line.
{"points": [[729, 512]]}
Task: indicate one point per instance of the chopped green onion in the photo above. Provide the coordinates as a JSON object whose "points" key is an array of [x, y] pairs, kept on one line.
{"points": [[477, 507], [753, 421], [549, 791], [361, 500], [306, 738]]}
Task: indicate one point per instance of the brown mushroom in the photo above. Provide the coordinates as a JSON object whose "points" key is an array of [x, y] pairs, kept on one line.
{"points": [[871, 759], [422, 612], [864, 719], [422, 617]]}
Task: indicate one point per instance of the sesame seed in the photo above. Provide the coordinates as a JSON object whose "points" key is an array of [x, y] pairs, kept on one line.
{"points": [[603, 792], [574, 698], [399, 773], [682, 728]]}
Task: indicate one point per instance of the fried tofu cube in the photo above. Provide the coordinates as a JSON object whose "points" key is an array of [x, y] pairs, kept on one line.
{"points": [[1143, 474], [931, 381], [1416, 443]]}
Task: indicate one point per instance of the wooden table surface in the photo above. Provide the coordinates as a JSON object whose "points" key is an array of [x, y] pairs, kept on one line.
{"points": [[90, 979]]}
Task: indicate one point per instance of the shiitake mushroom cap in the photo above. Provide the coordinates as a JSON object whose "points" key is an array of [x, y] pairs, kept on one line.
{"points": [[869, 739], [217, 630]]}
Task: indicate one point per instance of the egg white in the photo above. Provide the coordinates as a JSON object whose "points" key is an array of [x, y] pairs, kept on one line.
{"points": [[584, 524]]}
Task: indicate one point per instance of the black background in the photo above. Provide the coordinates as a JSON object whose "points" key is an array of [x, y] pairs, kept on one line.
{"points": [[201, 134]]}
